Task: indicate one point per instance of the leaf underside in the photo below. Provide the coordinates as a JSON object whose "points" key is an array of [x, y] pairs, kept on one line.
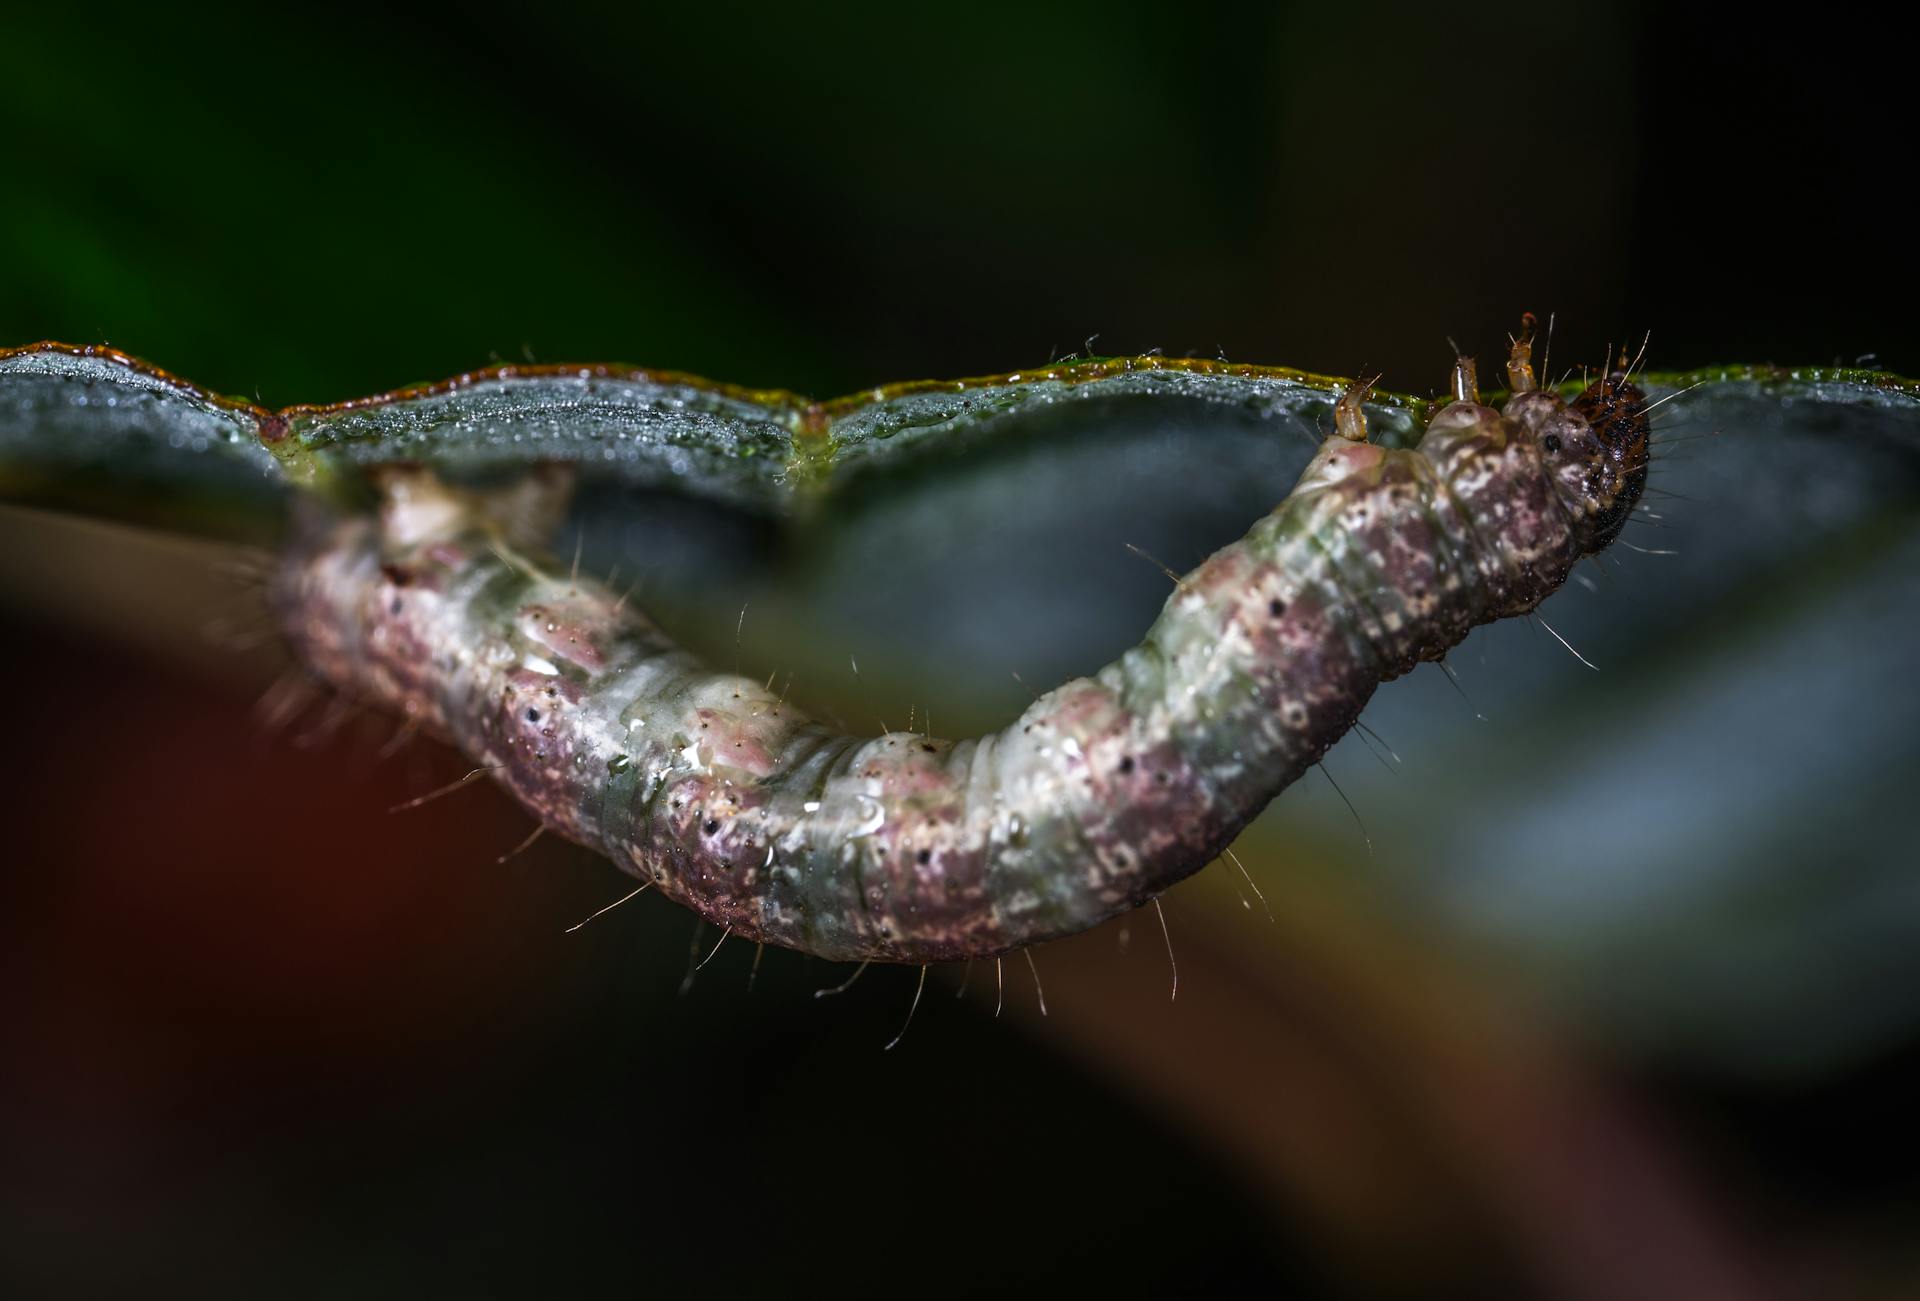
{"points": [[94, 430]]}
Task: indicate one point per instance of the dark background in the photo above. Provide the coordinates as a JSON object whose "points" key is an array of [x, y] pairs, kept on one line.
{"points": [[316, 206], [357, 1056]]}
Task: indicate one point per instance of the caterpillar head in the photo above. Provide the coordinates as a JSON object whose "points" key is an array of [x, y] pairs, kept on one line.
{"points": [[1595, 451]]}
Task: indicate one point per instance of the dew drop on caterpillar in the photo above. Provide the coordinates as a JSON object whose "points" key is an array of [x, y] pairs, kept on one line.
{"points": [[912, 849]]}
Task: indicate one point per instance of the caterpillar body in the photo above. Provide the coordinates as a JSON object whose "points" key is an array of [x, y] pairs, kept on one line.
{"points": [[913, 849]]}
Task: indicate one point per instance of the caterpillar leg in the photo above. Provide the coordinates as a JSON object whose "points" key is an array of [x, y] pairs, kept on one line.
{"points": [[1350, 412], [416, 506], [1520, 357], [1466, 382]]}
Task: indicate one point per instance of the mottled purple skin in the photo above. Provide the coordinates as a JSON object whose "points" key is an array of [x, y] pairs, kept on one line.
{"points": [[905, 848]]}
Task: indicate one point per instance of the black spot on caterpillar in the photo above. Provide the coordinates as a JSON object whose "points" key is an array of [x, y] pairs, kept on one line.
{"points": [[911, 849]]}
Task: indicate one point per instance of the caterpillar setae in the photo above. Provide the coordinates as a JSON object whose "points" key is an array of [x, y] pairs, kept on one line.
{"points": [[912, 849]]}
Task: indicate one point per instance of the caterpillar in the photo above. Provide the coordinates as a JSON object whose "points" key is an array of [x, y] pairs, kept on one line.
{"points": [[908, 848]]}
